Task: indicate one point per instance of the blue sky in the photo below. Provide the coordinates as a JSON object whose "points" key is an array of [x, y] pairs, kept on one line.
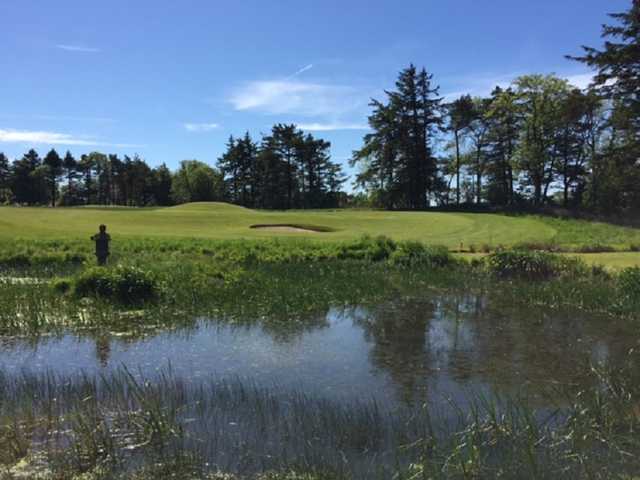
{"points": [[171, 80]]}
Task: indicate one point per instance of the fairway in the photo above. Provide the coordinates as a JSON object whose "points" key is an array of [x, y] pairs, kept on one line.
{"points": [[225, 222]]}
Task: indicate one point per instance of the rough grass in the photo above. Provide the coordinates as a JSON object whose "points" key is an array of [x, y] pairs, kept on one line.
{"points": [[222, 221], [117, 426]]}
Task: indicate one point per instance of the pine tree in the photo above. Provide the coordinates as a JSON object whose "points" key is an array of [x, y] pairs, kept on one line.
{"points": [[618, 63], [54, 171], [399, 151], [70, 169], [28, 182], [5, 177]]}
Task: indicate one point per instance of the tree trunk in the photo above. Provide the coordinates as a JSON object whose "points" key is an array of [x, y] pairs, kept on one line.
{"points": [[457, 168]]}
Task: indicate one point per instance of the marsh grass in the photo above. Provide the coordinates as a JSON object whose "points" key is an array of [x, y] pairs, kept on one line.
{"points": [[163, 284], [121, 425]]}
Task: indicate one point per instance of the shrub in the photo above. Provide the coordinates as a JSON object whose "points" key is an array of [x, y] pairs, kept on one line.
{"points": [[16, 260], [415, 253], [123, 283], [367, 248], [61, 285], [533, 265]]}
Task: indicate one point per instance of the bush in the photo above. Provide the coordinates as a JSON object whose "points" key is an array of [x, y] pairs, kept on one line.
{"points": [[123, 283], [44, 259], [367, 248], [16, 260], [415, 253], [61, 285], [533, 265]]}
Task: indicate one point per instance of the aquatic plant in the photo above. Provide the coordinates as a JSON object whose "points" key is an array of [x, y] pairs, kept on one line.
{"points": [[120, 425], [123, 283]]}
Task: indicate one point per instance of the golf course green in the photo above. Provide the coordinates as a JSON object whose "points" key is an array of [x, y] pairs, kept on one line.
{"points": [[223, 221]]}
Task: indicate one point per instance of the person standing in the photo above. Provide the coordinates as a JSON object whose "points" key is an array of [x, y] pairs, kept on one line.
{"points": [[102, 240]]}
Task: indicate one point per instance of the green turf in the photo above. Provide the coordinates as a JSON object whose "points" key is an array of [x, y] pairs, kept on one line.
{"points": [[613, 260], [224, 221]]}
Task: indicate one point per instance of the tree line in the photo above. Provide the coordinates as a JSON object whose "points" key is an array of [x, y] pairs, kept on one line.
{"points": [[537, 142], [287, 169]]}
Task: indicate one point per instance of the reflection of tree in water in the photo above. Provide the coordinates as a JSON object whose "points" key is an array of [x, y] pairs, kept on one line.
{"points": [[527, 350], [398, 332], [468, 338]]}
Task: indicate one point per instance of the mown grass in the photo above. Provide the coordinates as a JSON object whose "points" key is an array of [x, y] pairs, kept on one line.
{"points": [[122, 426], [227, 222]]}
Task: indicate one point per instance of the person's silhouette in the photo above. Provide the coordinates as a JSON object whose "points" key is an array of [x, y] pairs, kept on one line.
{"points": [[102, 240]]}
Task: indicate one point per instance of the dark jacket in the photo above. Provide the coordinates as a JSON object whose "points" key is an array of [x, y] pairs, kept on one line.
{"points": [[102, 243]]}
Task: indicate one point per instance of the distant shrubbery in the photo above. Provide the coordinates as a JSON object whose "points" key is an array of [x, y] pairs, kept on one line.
{"points": [[23, 259]]}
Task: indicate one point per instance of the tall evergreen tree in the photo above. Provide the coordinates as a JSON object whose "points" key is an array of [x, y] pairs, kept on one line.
{"points": [[618, 63], [285, 141], [70, 170], [403, 132], [5, 177], [54, 171], [162, 185], [615, 172], [28, 182]]}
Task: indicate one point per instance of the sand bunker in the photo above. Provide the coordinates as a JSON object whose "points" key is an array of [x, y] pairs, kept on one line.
{"points": [[291, 228]]}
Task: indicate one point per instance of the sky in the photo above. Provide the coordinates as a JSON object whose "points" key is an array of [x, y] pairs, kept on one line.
{"points": [[172, 80]]}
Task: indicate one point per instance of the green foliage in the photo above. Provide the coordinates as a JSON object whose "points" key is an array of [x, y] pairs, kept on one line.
{"points": [[533, 265], [629, 282], [125, 284], [416, 254], [196, 182], [374, 249]]}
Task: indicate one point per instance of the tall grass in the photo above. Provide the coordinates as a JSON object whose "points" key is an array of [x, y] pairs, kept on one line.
{"points": [[160, 282], [114, 425]]}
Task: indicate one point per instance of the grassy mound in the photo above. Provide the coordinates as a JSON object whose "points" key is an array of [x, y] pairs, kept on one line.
{"points": [[123, 284]]}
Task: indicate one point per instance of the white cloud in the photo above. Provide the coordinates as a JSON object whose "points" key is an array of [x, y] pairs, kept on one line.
{"points": [[55, 138], [327, 127], [582, 80], [477, 85], [77, 48], [296, 97], [302, 70], [200, 127]]}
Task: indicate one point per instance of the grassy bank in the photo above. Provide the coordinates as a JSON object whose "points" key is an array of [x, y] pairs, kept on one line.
{"points": [[122, 426], [49, 285]]}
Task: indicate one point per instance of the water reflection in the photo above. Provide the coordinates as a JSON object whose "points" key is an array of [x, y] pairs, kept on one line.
{"points": [[406, 351]]}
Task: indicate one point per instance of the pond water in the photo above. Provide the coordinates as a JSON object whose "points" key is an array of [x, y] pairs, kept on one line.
{"points": [[403, 352]]}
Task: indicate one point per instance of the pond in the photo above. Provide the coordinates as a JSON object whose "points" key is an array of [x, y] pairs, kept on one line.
{"points": [[400, 353]]}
